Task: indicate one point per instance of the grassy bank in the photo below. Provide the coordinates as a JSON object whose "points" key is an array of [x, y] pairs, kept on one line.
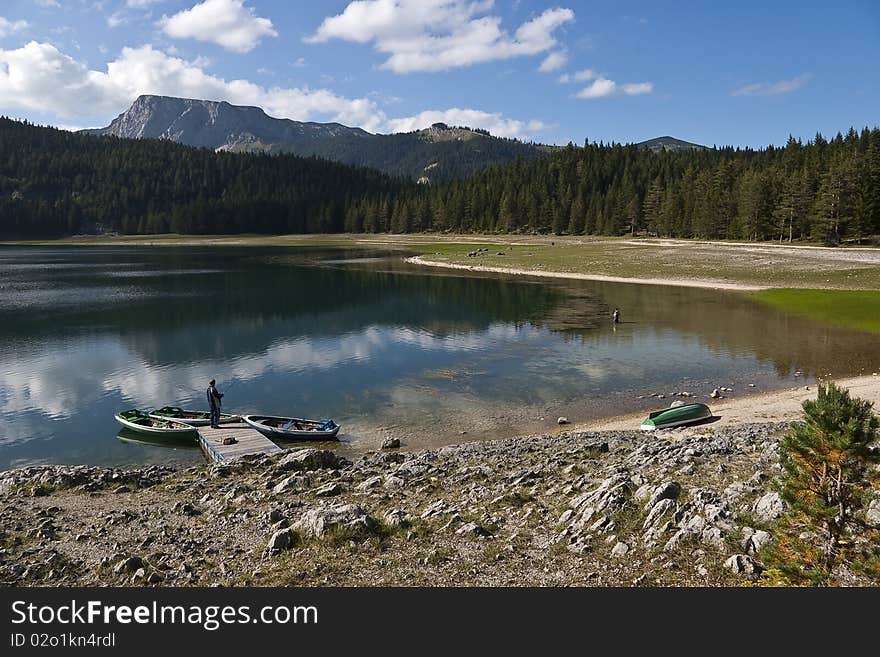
{"points": [[858, 309], [751, 264]]}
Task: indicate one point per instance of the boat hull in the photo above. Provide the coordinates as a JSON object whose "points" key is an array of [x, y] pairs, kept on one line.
{"points": [[146, 425], [192, 418], [272, 427], [677, 416]]}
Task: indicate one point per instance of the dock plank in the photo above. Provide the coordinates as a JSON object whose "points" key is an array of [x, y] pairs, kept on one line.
{"points": [[248, 441]]}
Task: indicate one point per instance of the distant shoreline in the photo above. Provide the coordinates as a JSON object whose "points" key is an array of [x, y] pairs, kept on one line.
{"points": [[709, 284], [773, 406]]}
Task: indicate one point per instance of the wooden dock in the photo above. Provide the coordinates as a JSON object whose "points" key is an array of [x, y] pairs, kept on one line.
{"points": [[247, 441]]}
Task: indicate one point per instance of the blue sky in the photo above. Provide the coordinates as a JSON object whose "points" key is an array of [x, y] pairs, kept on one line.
{"points": [[743, 73]]}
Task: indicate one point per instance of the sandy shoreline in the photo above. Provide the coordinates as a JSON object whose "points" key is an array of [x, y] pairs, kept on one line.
{"points": [[714, 285], [778, 406]]}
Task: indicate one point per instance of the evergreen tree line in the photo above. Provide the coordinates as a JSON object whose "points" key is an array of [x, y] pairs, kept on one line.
{"points": [[54, 183], [823, 190], [59, 183]]}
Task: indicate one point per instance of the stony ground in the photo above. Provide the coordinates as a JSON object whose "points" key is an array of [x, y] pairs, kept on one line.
{"points": [[583, 509]]}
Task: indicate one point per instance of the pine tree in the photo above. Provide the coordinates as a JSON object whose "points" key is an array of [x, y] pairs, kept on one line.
{"points": [[827, 466]]}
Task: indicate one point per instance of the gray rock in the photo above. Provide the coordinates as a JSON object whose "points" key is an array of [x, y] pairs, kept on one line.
{"points": [[397, 518], [372, 482], [754, 540], [473, 529], [349, 517], [769, 507], [129, 565], [391, 443], [620, 549], [292, 483], [713, 536], [659, 510], [668, 490], [281, 540], [309, 459], [872, 515], [330, 489], [743, 564], [562, 420]]}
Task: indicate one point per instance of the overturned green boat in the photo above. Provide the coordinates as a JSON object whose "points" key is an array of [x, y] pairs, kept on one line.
{"points": [[676, 416]]}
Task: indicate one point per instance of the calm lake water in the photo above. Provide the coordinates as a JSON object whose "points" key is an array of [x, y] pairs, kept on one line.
{"points": [[384, 347]]}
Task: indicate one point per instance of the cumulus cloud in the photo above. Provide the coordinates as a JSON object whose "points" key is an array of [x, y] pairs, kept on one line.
{"points": [[494, 122], [39, 77], [773, 88], [553, 62], [584, 75], [8, 27], [227, 23], [602, 87], [438, 35]]}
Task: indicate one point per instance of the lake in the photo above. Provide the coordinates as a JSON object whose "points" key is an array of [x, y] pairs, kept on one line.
{"points": [[384, 347]]}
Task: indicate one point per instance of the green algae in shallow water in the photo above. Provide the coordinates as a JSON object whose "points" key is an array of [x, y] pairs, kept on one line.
{"points": [[857, 309]]}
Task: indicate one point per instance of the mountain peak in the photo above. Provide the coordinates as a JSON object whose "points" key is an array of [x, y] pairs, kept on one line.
{"points": [[667, 143], [437, 152]]}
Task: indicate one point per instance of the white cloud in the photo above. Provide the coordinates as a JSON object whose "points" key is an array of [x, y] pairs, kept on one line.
{"points": [[8, 27], [227, 23], [637, 88], [38, 77], [603, 87], [773, 88], [299, 62], [553, 62], [438, 35], [116, 19], [494, 122], [578, 76], [140, 4], [47, 3]]}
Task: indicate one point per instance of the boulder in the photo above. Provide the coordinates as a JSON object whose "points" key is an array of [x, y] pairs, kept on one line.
{"points": [[391, 443], [396, 518], [309, 459], [348, 517], [754, 540], [659, 510], [769, 507], [668, 490], [129, 565], [281, 540], [620, 549], [330, 489], [743, 564], [872, 515], [473, 529]]}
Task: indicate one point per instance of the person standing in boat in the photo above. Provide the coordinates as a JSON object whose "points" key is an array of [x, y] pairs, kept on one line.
{"points": [[615, 316], [214, 397]]}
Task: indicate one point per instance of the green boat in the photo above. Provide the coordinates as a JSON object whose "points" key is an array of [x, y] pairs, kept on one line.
{"points": [[676, 416], [141, 422], [192, 418]]}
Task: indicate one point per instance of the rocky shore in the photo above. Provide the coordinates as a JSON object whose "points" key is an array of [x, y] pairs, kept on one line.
{"points": [[613, 508]]}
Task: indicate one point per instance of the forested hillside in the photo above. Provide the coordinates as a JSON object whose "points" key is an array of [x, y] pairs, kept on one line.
{"points": [[53, 183], [822, 190], [59, 183]]}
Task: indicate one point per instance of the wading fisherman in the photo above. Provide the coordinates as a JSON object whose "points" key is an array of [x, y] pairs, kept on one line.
{"points": [[615, 316], [214, 397]]}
